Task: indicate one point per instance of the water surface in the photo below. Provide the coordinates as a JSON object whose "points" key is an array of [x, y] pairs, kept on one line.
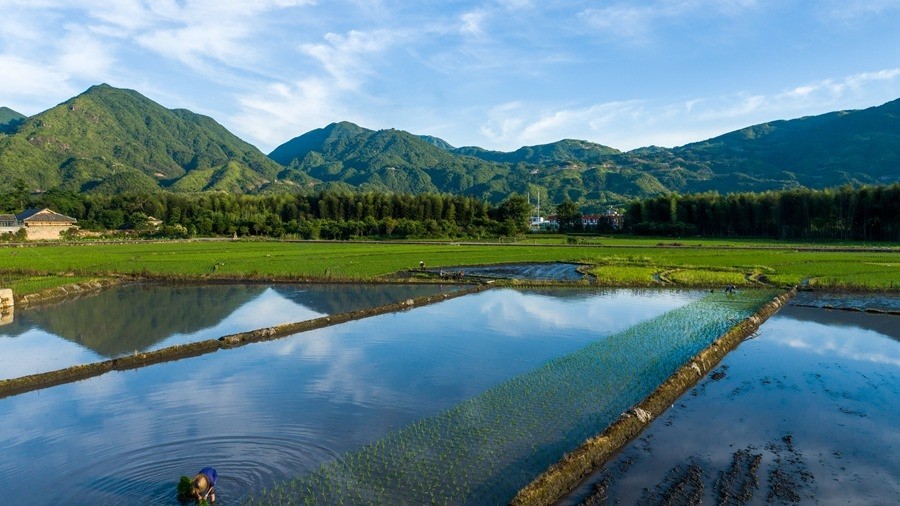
{"points": [[143, 317], [267, 412], [804, 413]]}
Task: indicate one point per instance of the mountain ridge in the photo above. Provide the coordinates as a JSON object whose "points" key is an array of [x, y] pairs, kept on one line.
{"points": [[111, 140]]}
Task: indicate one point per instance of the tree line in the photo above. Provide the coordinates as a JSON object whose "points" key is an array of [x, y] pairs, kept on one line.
{"points": [[854, 213], [868, 213], [326, 215]]}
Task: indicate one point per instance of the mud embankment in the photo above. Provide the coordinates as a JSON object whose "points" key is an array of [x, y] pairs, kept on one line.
{"points": [[14, 386], [61, 293], [566, 474]]}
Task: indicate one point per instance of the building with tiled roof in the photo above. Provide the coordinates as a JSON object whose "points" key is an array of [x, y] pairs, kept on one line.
{"points": [[8, 220], [43, 224]]}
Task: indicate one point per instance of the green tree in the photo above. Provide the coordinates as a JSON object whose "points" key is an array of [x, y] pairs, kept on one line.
{"points": [[568, 216], [516, 210]]}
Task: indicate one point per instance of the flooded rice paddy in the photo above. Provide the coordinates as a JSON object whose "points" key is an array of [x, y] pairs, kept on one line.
{"points": [[804, 413], [145, 317], [266, 413], [556, 271]]}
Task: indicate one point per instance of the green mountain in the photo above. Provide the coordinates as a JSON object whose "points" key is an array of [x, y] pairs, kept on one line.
{"points": [[394, 160], [115, 140], [861, 146], [567, 150], [110, 140], [856, 147], [9, 120], [388, 160]]}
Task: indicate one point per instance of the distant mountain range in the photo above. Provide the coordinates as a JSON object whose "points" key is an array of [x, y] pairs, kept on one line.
{"points": [[111, 140]]}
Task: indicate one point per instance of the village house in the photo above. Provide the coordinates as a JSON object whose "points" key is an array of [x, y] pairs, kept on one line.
{"points": [[8, 223], [611, 219], [44, 224]]}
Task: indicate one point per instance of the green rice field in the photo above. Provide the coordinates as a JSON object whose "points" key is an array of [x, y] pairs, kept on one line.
{"points": [[622, 262]]}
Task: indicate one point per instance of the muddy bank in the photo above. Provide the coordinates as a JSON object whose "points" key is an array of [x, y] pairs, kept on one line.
{"points": [[23, 384], [549, 271], [61, 293], [874, 302], [565, 475]]}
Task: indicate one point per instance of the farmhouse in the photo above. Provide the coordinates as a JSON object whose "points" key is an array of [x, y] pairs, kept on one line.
{"points": [[43, 224], [611, 219], [9, 224]]}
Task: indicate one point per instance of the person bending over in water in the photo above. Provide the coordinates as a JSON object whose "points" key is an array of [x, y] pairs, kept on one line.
{"points": [[203, 486]]}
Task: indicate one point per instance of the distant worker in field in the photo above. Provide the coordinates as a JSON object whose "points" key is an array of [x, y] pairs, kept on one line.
{"points": [[422, 265], [729, 288], [203, 486]]}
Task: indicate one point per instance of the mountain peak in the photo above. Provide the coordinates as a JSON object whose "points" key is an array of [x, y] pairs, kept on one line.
{"points": [[10, 119], [300, 146], [110, 139]]}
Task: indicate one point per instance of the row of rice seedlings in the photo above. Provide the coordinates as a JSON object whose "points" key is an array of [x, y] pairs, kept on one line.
{"points": [[484, 450], [707, 277], [22, 285], [632, 275]]}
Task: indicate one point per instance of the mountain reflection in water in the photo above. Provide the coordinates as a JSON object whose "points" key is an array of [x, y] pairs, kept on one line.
{"points": [[143, 317]]}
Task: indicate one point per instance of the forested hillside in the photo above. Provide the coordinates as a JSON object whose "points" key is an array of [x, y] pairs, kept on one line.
{"points": [[9, 120], [110, 140]]}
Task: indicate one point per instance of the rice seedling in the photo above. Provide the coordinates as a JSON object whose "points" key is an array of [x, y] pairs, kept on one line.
{"points": [[482, 451], [619, 260]]}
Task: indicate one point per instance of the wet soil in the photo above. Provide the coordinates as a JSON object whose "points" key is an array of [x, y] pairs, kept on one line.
{"points": [[556, 271], [805, 413], [888, 303]]}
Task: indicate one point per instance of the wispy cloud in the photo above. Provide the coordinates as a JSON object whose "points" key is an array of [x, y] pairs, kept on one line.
{"points": [[821, 95], [30, 83], [847, 11], [642, 122], [345, 57], [325, 93], [472, 22], [637, 23]]}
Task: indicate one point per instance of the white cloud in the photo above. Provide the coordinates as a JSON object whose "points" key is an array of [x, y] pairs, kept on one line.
{"points": [[855, 10], [284, 109], [281, 111], [29, 83], [472, 23], [637, 123], [82, 54], [345, 57], [823, 96], [518, 124], [637, 22]]}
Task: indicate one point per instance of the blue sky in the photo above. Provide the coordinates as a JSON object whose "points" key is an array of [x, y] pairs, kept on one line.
{"points": [[497, 74]]}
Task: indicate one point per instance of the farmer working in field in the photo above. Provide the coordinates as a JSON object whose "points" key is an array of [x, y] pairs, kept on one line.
{"points": [[203, 485]]}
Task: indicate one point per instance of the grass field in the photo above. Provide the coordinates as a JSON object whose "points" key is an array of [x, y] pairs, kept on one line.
{"points": [[616, 262]]}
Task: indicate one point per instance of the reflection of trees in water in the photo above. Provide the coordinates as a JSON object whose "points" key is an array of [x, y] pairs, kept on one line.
{"points": [[136, 317], [335, 299]]}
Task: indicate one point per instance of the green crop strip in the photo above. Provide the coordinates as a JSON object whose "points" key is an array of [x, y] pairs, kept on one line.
{"points": [[485, 449], [621, 264]]}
